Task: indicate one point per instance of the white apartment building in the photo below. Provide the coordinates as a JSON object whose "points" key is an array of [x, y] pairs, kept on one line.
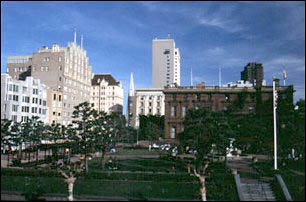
{"points": [[22, 99], [106, 93], [65, 70], [148, 101], [165, 63]]}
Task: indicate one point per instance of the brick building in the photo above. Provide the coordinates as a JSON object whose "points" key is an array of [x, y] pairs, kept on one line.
{"points": [[179, 99]]}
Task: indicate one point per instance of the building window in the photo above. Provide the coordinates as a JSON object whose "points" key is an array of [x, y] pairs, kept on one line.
{"points": [[15, 88], [183, 111], [60, 59], [173, 132], [54, 97], [14, 118], [15, 108], [15, 98], [35, 91], [173, 111]]}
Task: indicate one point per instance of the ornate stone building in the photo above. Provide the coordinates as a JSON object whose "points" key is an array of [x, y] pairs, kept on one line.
{"points": [[65, 70]]}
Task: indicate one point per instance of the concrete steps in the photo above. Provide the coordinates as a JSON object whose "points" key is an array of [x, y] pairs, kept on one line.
{"points": [[253, 190]]}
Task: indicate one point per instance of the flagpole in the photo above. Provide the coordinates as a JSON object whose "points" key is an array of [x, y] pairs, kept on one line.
{"points": [[274, 118]]}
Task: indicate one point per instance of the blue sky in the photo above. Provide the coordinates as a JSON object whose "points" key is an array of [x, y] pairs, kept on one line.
{"points": [[118, 36]]}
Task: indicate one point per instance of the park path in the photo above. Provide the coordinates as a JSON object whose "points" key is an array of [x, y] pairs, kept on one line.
{"points": [[253, 189]]}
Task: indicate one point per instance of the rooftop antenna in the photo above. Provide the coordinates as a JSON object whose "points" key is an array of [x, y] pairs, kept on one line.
{"points": [[219, 76], [191, 81], [74, 36], [81, 41]]}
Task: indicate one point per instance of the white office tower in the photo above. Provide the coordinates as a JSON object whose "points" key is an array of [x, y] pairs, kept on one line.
{"points": [[165, 63]]}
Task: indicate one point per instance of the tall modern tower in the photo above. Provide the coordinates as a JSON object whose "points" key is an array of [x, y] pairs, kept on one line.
{"points": [[165, 63]]}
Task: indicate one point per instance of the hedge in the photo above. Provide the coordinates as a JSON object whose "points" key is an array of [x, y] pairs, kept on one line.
{"points": [[102, 175]]}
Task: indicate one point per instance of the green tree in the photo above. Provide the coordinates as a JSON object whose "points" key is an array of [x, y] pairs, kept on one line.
{"points": [[202, 129], [5, 136], [83, 120], [151, 127]]}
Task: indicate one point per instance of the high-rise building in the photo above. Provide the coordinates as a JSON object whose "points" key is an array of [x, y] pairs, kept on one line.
{"points": [[22, 99], [253, 72], [165, 63], [65, 70], [106, 93]]}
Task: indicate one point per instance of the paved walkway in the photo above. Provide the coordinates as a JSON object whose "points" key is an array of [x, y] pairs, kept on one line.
{"points": [[252, 189]]}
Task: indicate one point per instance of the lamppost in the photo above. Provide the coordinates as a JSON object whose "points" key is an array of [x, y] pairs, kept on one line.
{"points": [[275, 96]]}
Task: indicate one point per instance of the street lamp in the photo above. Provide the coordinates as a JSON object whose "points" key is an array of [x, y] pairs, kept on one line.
{"points": [[275, 96]]}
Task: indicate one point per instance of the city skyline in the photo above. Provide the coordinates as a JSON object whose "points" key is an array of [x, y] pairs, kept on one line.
{"points": [[118, 37]]}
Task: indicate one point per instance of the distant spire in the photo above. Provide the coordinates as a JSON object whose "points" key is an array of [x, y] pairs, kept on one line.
{"points": [[81, 41], [131, 90], [74, 36], [169, 36]]}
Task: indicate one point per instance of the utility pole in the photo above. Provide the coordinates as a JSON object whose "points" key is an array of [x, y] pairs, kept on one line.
{"points": [[275, 96]]}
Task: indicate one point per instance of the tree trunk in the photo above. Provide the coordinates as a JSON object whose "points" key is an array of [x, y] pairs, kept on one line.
{"points": [[203, 188], [70, 182], [8, 158], [102, 158], [19, 152], [86, 164]]}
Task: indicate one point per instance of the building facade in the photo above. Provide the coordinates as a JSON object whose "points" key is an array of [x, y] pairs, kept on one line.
{"points": [[65, 70], [253, 72], [22, 99], [146, 101], [165, 63], [179, 99], [106, 93]]}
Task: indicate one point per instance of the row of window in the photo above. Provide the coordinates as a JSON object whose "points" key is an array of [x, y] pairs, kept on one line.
{"points": [[34, 110], [150, 104], [150, 97], [150, 111], [174, 111]]}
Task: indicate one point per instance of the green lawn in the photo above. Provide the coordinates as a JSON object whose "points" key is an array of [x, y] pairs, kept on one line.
{"points": [[143, 165]]}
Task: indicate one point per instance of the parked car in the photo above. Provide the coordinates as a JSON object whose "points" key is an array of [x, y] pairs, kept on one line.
{"points": [[165, 147], [112, 150], [155, 146]]}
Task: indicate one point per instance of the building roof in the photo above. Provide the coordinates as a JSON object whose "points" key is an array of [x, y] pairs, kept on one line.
{"points": [[107, 77]]}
